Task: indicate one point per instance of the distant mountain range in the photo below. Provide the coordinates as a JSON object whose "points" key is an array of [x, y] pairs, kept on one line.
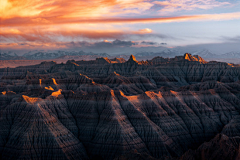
{"points": [[57, 54], [42, 55], [231, 55], [205, 54], [167, 53], [170, 53], [10, 56]]}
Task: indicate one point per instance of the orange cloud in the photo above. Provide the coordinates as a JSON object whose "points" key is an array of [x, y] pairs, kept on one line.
{"points": [[43, 34], [42, 22], [33, 45], [52, 12], [72, 8], [54, 21]]}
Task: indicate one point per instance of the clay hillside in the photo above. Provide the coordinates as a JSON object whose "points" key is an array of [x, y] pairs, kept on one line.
{"points": [[181, 108]]}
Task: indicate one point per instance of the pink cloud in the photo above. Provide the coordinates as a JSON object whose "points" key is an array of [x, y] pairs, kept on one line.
{"points": [[178, 5]]}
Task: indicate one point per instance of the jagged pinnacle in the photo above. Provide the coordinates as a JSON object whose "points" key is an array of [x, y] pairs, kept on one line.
{"points": [[132, 58]]}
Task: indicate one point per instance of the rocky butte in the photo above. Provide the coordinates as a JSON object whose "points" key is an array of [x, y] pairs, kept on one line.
{"points": [[181, 108]]}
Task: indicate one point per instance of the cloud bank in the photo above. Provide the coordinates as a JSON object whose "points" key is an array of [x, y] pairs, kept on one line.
{"points": [[45, 23]]}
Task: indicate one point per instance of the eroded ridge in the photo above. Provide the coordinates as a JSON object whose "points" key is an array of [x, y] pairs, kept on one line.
{"points": [[177, 108]]}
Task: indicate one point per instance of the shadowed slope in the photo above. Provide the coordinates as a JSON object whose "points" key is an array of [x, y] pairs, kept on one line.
{"points": [[40, 133], [170, 109]]}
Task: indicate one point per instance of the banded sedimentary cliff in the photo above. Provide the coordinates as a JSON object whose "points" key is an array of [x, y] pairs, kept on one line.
{"points": [[178, 108]]}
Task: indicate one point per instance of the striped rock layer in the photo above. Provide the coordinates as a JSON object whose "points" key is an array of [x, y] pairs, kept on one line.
{"points": [[179, 108]]}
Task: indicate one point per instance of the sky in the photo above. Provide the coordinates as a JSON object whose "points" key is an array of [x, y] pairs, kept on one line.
{"points": [[79, 24]]}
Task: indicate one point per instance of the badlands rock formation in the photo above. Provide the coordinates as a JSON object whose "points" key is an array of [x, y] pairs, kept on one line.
{"points": [[177, 108]]}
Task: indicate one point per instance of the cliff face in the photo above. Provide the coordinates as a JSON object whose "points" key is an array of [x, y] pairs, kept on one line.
{"points": [[181, 108]]}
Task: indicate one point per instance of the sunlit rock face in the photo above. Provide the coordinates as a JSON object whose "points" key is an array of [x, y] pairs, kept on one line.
{"points": [[178, 108]]}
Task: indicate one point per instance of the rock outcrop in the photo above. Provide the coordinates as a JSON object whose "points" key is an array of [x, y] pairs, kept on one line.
{"points": [[181, 108]]}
